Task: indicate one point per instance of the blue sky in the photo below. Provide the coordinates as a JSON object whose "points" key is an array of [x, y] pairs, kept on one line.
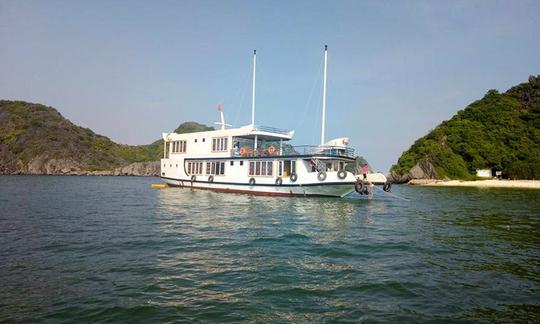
{"points": [[133, 69]]}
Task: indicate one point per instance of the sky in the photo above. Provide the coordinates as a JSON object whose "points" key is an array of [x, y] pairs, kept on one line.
{"points": [[131, 70]]}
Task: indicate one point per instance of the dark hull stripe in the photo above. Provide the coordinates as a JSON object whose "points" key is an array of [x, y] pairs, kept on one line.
{"points": [[266, 184]]}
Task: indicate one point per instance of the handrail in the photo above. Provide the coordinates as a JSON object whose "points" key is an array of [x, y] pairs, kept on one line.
{"points": [[301, 150], [270, 129]]}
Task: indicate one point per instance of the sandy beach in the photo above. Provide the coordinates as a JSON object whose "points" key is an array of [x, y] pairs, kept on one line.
{"points": [[528, 184]]}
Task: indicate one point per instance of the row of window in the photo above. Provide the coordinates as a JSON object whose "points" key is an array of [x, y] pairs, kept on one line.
{"points": [[219, 144], [256, 168], [195, 168], [215, 168], [261, 168], [179, 147]]}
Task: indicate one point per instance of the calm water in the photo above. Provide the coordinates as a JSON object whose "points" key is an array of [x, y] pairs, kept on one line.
{"points": [[113, 249]]}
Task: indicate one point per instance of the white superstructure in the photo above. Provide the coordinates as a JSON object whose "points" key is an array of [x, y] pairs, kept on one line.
{"points": [[229, 160]]}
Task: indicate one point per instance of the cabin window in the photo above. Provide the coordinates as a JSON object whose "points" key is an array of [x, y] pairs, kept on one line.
{"points": [[179, 147], [195, 140], [220, 144], [194, 167], [241, 162], [269, 168], [261, 168], [204, 140], [215, 168], [167, 149], [289, 167], [280, 168], [232, 163]]}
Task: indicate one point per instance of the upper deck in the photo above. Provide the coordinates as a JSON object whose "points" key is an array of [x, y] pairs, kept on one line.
{"points": [[247, 141]]}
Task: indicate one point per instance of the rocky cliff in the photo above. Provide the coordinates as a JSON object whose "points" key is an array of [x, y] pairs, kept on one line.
{"points": [[35, 139]]}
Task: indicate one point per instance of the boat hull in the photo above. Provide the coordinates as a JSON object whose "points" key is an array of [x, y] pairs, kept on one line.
{"points": [[339, 189]]}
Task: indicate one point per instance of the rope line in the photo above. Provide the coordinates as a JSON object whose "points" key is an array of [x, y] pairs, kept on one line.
{"points": [[392, 194]]}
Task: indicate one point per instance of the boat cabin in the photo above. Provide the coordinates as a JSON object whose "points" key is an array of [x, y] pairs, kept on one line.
{"points": [[265, 150]]}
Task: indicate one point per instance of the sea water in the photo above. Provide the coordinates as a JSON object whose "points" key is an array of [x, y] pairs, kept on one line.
{"points": [[113, 249]]}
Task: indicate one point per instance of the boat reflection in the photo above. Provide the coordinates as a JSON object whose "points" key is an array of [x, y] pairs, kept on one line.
{"points": [[217, 239]]}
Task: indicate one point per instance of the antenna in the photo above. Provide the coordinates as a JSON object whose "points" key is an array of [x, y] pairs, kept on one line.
{"points": [[324, 94], [253, 89], [223, 124]]}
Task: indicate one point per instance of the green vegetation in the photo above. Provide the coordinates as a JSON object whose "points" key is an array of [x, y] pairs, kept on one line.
{"points": [[29, 131], [499, 131], [192, 127]]}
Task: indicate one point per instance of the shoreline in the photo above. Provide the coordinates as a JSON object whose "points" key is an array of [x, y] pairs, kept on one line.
{"points": [[90, 174], [518, 184]]}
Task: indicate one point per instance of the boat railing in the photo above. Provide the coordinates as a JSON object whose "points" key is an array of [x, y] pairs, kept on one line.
{"points": [[270, 130], [301, 150]]}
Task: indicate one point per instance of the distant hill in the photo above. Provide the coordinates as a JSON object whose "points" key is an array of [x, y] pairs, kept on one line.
{"points": [[35, 139], [499, 131]]}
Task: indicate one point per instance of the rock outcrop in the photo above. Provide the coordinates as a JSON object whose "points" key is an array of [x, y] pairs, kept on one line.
{"points": [[142, 169], [44, 166], [422, 170]]}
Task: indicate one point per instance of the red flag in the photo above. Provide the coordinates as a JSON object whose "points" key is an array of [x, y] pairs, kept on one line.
{"points": [[219, 107]]}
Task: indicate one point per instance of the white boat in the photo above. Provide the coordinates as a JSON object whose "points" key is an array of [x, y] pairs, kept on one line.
{"points": [[258, 160]]}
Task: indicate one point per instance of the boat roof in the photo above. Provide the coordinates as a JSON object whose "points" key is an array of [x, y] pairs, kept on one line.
{"points": [[247, 132]]}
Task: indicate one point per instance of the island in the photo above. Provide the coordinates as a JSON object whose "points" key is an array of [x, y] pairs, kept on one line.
{"points": [[496, 137]]}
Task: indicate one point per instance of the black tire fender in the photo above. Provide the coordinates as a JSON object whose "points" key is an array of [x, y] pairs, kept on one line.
{"points": [[359, 186], [321, 175], [387, 186], [342, 174], [193, 178], [211, 178], [251, 181], [293, 177], [279, 181]]}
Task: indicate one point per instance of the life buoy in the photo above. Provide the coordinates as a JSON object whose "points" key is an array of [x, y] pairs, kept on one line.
{"points": [[252, 181], [342, 174], [293, 177], [359, 187], [321, 175], [271, 150], [193, 178], [279, 181], [211, 178], [387, 186]]}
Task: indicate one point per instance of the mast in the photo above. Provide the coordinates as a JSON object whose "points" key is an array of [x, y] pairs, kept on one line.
{"points": [[223, 124], [324, 94], [253, 89]]}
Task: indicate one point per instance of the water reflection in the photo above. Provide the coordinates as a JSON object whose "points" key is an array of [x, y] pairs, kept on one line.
{"points": [[222, 238]]}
